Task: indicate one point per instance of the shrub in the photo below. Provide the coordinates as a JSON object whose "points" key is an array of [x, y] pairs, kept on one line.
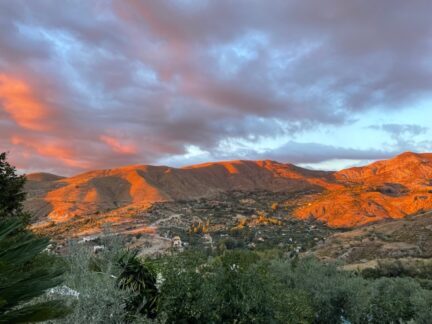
{"points": [[94, 277], [334, 294], [235, 287]]}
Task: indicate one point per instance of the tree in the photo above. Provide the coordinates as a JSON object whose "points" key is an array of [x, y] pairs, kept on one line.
{"points": [[12, 194], [235, 287], [392, 300], [333, 294], [25, 273]]}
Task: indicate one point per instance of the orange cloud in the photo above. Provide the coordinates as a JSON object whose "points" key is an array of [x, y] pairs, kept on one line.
{"points": [[54, 150], [117, 146], [21, 103]]}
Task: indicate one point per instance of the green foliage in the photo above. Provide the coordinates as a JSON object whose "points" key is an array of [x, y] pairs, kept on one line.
{"points": [[114, 285], [235, 287], [12, 194], [139, 278], [240, 289], [182, 290], [26, 273], [334, 294], [293, 306], [246, 287], [392, 300], [422, 305], [94, 277]]}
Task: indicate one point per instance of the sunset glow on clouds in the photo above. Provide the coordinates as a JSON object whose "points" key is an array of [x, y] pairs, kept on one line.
{"points": [[117, 146], [56, 151], [99, 84], [22, 105]]}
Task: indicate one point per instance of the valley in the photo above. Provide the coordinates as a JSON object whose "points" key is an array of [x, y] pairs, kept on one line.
{"points": [[356, 216]]}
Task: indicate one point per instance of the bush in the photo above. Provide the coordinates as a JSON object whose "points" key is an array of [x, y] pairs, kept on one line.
{"points": [[334, 294], [234, 287], [422, 305], [113, 286], [94, 278], [246, 287], [392, 300]]}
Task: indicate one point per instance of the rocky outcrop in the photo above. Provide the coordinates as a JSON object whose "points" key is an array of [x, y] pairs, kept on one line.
{"points": [[393, 188]]}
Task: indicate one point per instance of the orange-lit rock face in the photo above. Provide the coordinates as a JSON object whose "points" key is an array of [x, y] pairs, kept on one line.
{"points": [[385, 189], [100, 191], [408, 168]]}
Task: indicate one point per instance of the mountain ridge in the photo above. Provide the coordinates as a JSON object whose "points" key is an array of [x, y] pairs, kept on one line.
{"points": [[390, 188]]}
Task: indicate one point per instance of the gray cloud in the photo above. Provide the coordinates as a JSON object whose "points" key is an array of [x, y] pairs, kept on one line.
{"points": [[158, 76], [401, 129], [402, 134], [296, 152]]}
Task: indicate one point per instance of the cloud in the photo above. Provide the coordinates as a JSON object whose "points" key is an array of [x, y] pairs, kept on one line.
{"points": [[400, 129], [55, 150], [22, 105], [402, 134], [298, 152], [117, 146], [315, 153], [141, 81]]}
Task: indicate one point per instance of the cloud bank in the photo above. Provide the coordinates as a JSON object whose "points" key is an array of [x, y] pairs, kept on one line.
{"points": [[97, 84]]}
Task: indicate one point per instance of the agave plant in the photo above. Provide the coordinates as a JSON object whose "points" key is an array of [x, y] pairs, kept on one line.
{"points": [[140, 278]]}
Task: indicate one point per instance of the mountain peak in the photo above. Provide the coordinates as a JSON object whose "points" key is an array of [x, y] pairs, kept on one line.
{"points": [[414, 156], [43, 176]]}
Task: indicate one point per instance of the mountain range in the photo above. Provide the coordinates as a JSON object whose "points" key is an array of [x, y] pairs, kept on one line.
{"points": [[392, 188]]}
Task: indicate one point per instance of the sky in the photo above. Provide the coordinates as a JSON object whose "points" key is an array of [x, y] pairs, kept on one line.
{"points": [[325, 84]]}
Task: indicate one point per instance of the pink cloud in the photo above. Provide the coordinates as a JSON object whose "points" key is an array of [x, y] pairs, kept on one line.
{"points": [[21, 103], [119, 147], [56, 150], [80, 86]]}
